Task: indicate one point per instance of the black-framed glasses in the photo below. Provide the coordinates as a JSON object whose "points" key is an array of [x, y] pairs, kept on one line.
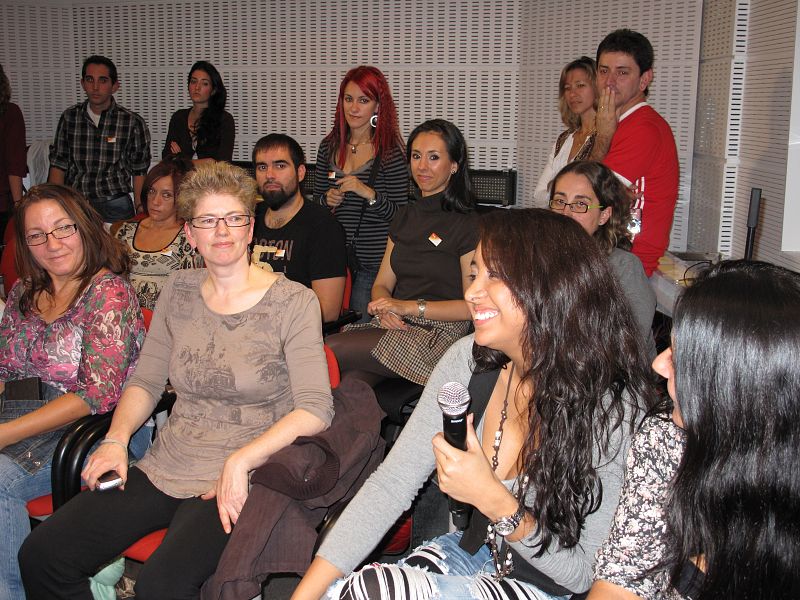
{"points": [[65, 231], [209, 222], [576, 207]]}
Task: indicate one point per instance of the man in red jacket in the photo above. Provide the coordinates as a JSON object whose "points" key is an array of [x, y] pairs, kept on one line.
{"points": [[635, 141]]}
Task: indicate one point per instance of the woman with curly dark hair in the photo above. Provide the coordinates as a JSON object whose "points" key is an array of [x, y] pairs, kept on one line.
{"points": [[558, 382], [361, 173], [204, 132], [590, 193], [711, 498]]}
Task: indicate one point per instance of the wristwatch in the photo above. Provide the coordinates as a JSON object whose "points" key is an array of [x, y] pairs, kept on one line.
{"points": [[421, 304], [506, 525]]}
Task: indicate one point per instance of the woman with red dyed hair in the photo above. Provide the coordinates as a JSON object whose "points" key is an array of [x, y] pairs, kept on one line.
{"points": [[361, 173]]}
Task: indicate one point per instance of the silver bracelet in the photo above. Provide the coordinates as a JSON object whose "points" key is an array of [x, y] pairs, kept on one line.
{"points": [[113, 441]]}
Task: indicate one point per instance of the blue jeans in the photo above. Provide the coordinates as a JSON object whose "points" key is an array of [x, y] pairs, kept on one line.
{"points": [[438, 569], [17, 486], [361, 292], [115, 209]]}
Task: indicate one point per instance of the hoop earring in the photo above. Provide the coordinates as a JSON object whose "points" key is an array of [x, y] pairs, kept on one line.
{"points": [[373, 120]]}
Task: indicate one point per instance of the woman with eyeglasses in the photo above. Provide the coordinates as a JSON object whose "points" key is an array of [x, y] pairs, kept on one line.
{"points": [[157, 244], [576, 103], [589, 193], [73, 322], [709, 507], [243, 349]]}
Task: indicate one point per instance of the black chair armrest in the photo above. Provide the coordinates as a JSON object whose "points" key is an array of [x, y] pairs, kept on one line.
{"points": [[71, 451], [348, 316]]}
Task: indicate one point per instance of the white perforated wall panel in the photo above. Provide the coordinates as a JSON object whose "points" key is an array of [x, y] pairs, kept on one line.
{"points": [[560, 36], [490, 67], [744, 100], [765, 127]]}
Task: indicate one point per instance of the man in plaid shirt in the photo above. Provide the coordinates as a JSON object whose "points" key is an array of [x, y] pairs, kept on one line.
{"points": [[100, 146]]}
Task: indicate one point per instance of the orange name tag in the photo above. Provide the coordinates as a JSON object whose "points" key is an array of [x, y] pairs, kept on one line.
{"points": [[434, 239], [112, 139]]}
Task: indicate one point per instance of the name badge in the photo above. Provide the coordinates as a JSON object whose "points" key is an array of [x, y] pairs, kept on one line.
{"points": [[112, 139], [280, 253], [434, 239]]}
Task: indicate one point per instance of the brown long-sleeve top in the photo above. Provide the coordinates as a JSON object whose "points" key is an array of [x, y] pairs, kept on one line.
{"points": [[234, 376]]}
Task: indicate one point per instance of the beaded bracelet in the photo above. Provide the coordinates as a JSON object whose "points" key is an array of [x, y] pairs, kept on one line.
{"points": [[113, 441]]}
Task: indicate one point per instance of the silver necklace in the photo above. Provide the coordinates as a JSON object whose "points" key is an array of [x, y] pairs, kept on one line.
{"points": [[502, 566]]}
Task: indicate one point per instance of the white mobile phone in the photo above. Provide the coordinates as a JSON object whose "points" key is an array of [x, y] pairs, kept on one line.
{"points": [[108, 481]]}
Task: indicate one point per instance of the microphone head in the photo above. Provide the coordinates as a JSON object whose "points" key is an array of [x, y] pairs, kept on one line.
{"points": [[453, 399]]}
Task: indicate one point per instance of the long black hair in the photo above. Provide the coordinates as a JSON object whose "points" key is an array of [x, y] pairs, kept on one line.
{"points": [[584, 360], [458, 195], [209, 125], [735, 500]]}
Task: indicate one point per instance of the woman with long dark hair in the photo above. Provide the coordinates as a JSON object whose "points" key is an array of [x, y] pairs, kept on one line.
{"points": [[206, 131], [576, 103], [711, 499], [418, 296], [591, 194], [361, 173], [558, 382], [73, 322]]}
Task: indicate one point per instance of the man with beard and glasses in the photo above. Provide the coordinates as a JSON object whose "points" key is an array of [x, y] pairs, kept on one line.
{"points": [[302, 239]]}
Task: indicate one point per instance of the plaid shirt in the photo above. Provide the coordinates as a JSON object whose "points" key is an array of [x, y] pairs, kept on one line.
{"points": [[100, 161]]}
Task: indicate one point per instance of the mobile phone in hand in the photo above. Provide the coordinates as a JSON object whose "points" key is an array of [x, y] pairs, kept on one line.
{"points": [[108, 481]]}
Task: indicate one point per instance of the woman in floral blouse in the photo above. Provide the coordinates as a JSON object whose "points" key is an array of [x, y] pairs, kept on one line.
{"points": [[73, 321], [709, 508]]}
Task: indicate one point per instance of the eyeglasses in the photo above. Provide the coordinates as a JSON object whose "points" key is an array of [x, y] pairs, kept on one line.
{"points": [[576, 207], [212, 222], [37, 239]]}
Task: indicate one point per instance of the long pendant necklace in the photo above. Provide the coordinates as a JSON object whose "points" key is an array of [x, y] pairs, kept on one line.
{"points": [[502, 567]]}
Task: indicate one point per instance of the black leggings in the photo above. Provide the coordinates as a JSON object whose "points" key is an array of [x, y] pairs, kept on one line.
{"points": [[352, 349], [93, 528]]}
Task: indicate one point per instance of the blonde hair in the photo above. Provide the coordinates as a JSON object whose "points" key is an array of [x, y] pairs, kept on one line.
{"points": [[216, 178], [570, 119]]}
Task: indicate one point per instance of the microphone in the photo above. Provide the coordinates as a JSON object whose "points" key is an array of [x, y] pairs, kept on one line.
{"points": [[454, 401]]}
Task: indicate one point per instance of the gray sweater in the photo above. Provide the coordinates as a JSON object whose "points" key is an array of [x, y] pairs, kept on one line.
{"points": [[394, 485], [642, 299]]}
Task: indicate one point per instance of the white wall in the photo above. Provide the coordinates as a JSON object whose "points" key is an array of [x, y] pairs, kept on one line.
{"points": [[490, 67], [742, 133]]}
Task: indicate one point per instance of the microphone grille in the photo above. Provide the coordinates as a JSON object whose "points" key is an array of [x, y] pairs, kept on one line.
{"points": [[453, 399]]}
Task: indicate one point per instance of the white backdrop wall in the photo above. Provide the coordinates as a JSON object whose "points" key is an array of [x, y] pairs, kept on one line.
{"points": [[490, 67], [742, 133]]}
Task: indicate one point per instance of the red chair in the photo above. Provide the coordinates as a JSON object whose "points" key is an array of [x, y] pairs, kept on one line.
{"points": [[347, 315], [8, 268]]}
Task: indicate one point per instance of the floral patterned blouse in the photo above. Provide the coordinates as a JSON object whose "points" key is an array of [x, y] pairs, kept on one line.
{"points": [[89, 350], [149, 270], [636, 541]]}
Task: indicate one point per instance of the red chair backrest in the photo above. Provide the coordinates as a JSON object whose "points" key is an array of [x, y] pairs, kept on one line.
{"points": [[147, 315], [8, 268], [348, 288], [333, 367], [9, 232]]}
